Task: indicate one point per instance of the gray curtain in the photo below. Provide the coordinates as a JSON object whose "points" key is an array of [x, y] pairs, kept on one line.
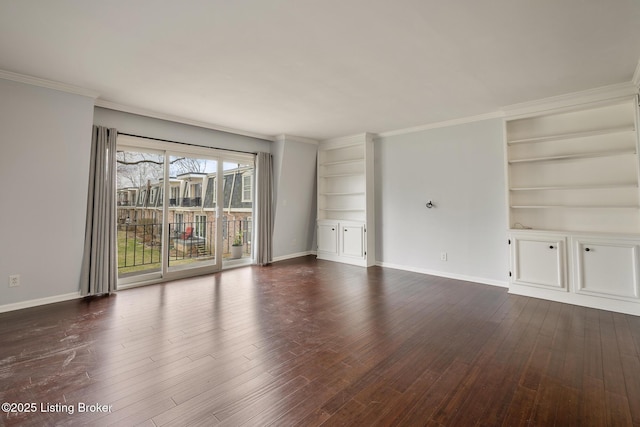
{"points": [[99, 265], [264, 208]]}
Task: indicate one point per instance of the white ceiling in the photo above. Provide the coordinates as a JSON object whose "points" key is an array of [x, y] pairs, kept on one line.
{"points": [[322, 68]]}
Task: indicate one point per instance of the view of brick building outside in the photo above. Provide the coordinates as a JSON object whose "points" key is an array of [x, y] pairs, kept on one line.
{"points": [[192, 207]]}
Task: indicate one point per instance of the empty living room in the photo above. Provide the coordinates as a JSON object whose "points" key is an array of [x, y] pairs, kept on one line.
{"points": [[298, 213]]}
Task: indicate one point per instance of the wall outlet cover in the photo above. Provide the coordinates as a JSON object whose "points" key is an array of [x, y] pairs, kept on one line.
{"points": [[14, 280]]}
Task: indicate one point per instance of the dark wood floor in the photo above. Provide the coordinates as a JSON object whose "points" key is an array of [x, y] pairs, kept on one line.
{"points": [[308, 342]]}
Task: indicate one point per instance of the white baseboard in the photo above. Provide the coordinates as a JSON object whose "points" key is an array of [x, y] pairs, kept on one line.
{"points": [[296, 255], [39, 301], [482, 280], [360, 262], [609, 304]]}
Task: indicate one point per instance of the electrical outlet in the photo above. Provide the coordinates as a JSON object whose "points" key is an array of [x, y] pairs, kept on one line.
{"points": [[443, 256], [14, 280]]}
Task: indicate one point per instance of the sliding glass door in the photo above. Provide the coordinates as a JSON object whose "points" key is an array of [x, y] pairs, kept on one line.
{"points": [[183, 212], [139, 211], [237, 212], [192, 214]]}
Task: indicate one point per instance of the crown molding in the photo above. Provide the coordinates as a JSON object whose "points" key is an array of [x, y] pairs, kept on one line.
{"points": [[176, 119], [636, 76], [49, 84], [570, 100], [526, 108], [285, 137], [76, 90], [442, 124]]}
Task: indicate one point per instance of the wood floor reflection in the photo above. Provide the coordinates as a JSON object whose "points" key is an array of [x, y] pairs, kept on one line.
{"points": [[307, 342]]}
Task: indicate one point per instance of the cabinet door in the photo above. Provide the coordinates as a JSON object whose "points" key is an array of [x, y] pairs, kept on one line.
{"points": [[606, 268], [328, 238], [352, 239], [539, 261]]}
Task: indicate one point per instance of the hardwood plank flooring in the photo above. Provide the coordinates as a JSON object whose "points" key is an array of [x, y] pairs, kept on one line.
{"points": [[307, 342]]}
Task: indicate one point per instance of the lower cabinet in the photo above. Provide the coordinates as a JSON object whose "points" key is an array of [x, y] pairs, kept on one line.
{"points": [[606, 268], [539, 261], [327, 238], [342, 241], [352, 240], [596, 271]]}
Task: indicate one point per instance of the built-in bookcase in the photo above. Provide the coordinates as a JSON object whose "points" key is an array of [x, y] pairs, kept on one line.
{"points": [[342, 183], [574, 205], [345, 200], [575, 170]]}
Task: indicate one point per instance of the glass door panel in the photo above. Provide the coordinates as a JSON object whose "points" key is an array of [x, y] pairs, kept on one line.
{"points": [[191, 212], [139, 201], [179, 212], [237, 213]]}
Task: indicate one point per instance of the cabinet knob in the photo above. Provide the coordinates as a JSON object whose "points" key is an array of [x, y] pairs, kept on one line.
{"points": [[587, 249], [551, 246], [346, 229], [333, 229]]}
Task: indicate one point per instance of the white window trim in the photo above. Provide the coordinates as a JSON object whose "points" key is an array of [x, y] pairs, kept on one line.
{"points": [[178, 225], [194, 189], [197, 220], [250, 179], [215, 190]]}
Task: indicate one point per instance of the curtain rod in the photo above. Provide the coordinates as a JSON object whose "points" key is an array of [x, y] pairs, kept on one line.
{"points": [[186, 143]]}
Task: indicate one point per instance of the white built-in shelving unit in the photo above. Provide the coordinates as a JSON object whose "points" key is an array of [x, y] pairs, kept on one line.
{"points": [[345, 200], [575, 170], [574, 204]]}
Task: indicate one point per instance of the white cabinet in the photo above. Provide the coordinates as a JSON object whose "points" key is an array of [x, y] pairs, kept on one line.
{"points": [[342, 241], [327, 238], [606, 268], [352, 240], [600, 271], [345, 200], [539, 260], [574, 203]]}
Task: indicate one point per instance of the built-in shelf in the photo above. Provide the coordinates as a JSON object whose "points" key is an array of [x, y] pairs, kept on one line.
{"points": [[572, 223], [574, 135], [343, 162], [605, 153], [575, 169], [345, 228], [355, 193], [577, 187], [342, 146], [340, 175], [342, 210]]}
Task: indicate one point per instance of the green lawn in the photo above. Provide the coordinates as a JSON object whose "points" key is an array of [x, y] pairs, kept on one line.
{"points": [[132, 253], [135, 257]]}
